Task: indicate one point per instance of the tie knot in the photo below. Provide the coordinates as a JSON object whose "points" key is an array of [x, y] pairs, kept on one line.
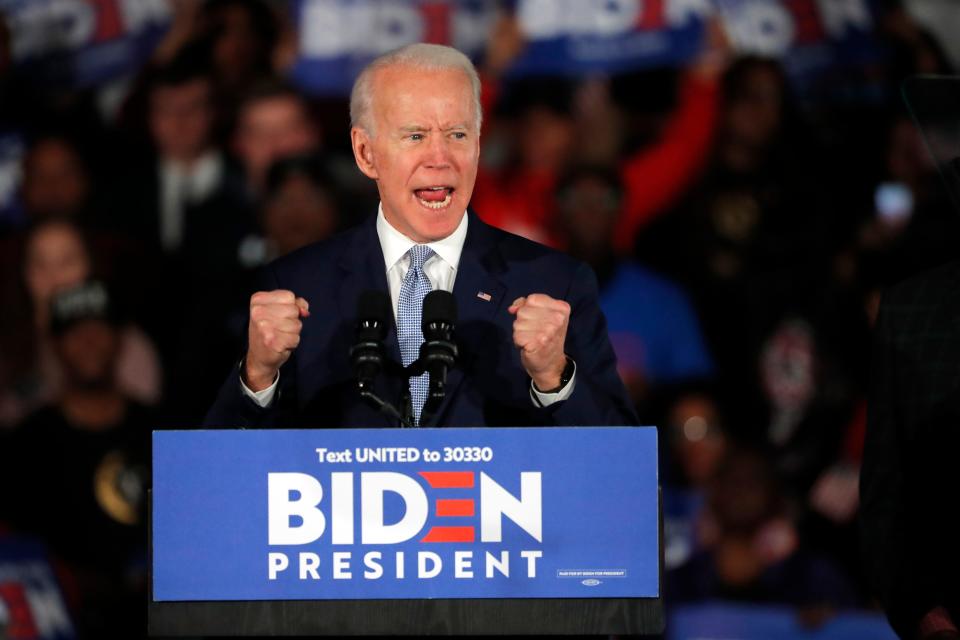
{"points": [[419, 254]]}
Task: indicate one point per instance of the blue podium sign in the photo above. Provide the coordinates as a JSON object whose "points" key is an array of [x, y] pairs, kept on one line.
{"points": [[405, 514]]}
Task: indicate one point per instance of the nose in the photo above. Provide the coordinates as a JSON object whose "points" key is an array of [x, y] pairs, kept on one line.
{"points": [[438, 153]]}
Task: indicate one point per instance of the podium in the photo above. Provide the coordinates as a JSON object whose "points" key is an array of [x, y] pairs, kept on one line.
{"points": [[405, 532]]}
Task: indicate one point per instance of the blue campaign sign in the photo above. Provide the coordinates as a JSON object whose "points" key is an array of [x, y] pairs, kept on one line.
{"points": [[818, 41], [823, 45], [83, 43], [405, 514], [337, 38], [572, 37]]}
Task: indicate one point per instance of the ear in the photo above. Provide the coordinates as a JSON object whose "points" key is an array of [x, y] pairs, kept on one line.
{"points": [[363, 152]]}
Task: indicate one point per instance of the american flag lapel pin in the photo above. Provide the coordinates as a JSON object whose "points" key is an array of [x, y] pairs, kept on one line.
{"points": [[483, 295]]}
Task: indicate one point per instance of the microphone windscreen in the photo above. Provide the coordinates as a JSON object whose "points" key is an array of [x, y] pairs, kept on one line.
{"points": [[439, 306], [374, 305]]}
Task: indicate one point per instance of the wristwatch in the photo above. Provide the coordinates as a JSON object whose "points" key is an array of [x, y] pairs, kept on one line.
{"points": [[565, 376]]}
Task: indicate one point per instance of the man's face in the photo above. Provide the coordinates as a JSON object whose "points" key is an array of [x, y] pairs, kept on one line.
{"points": [[88, 352], [300, 212], [590, 208], [271, 129], [424, 151], [181, 118], [55, 260], [55, 181]]}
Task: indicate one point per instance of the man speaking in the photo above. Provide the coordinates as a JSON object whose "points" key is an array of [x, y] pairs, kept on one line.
{"points": [[532, 345]]}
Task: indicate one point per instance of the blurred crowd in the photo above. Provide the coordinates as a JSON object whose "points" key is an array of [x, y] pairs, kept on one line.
{"points": [[741, 237]]}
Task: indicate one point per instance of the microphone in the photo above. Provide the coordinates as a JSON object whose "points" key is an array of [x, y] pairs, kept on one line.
{"points": [[438, 353], [366, 354]]}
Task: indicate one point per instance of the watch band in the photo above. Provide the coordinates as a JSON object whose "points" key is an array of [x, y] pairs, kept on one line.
{"points": [[565, 376]]}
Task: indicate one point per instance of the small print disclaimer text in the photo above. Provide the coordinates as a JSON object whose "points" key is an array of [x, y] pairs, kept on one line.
{"points": [[591, 573]]}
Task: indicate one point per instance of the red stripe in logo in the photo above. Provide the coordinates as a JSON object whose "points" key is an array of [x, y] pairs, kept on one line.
{"points": [[449, 534], [454, 508], [449, 479]]}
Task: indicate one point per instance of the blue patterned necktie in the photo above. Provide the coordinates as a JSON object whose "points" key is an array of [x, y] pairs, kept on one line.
{"points": [[415, 288]]}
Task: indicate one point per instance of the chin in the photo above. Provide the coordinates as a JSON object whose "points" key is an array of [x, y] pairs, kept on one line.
{"points": [[433, 225], [439, 228]]}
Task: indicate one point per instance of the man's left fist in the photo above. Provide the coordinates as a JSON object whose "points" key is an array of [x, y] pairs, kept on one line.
{"points": [[539, 331]]}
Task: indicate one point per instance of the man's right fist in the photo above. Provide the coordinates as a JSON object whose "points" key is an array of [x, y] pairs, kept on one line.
{"points": [[274, 333]]}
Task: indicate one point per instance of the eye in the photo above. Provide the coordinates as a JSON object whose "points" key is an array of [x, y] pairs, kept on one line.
{"points": [[459, 135], [416, 137]]}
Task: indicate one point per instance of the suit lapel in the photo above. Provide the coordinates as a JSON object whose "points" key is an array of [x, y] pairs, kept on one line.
{"points": [[479, 293], [362, 269]]}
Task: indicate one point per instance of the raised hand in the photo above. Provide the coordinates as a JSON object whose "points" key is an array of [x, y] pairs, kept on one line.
{"points": [[273, 333], [540, 331]]}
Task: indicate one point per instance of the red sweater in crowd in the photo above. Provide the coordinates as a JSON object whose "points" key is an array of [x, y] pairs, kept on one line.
{"points": [[522, 200]]}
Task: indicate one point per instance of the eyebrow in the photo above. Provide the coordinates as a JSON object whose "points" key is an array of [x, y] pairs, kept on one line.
{"points": [[416, 128]]}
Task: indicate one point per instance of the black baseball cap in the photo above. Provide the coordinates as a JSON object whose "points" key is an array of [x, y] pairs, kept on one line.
{"points": [[88, 301]]}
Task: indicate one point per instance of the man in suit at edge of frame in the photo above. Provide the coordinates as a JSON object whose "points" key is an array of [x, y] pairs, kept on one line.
{"points": [[909, 525], [533, 344]]}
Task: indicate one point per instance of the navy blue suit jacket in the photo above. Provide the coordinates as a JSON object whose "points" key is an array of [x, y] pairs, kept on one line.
{"points": [[487, 387]]}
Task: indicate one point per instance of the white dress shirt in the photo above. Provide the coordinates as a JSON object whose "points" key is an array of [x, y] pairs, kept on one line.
{"points": [[441, 269], [182, 186]]}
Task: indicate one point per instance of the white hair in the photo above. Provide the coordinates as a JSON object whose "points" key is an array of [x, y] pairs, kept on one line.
{"points": [[428, 57]]}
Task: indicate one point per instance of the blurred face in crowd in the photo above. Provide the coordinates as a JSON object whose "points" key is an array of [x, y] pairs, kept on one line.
{"points": [[56, 259], [181, 117], [546, 138], [590, 208], [424, 148], [698, 440], [298, 213], [753, 111], [54, 180], [88, 352], [271, 128], [238, 47], [743, 495]]}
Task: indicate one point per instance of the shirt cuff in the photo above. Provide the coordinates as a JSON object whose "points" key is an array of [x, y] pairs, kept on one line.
{"points": [[264, 397], [541, 399]]}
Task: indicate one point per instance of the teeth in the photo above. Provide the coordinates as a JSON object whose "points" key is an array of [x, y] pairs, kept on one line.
{"points": [[436, 205]]}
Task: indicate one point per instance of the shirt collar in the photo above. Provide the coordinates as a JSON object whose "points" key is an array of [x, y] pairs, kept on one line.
{"points": [[199, 179], [209, 163], [395, 245]]}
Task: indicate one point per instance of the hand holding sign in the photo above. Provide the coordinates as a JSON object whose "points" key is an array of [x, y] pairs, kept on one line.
{"points": [[273, 334]]}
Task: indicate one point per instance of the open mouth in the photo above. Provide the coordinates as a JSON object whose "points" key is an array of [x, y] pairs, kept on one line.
{"points": [[434, 197]]}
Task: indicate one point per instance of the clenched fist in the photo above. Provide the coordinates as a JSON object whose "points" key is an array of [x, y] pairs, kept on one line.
{"points": [[274, 333], [539, 331]]}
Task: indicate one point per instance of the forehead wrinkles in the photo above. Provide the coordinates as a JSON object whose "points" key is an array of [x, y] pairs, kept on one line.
{"points": [[401, 93]]}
